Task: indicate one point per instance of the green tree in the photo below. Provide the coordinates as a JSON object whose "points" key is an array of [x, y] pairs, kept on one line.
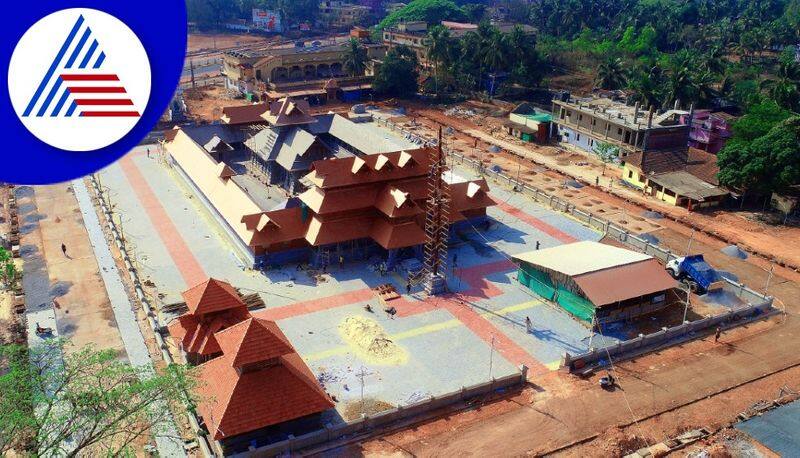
{"points": [[398, 76], [611, 74], [430, 11], [758, 121], [785, 87], [89, 397], [770, 163], [355, 59], [8, 270]]}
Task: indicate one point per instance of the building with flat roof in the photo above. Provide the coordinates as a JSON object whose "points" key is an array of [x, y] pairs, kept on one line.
{"points": [[341, 15], [595, 282], [316, 72], [590, 122]]}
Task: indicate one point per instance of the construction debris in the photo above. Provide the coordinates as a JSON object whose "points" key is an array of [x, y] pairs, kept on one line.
{"points": [[371, 342]]}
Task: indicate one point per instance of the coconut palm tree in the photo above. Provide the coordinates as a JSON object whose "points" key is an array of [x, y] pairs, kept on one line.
{"points": [[611, 74], [785, 87], [355, 59], [439, 52]]}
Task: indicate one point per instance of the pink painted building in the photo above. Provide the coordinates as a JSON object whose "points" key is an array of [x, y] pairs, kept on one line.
{"points": [[709, 130]]}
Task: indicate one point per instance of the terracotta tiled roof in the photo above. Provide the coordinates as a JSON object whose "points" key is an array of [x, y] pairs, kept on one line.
{"points": [[339, 172], [211, 296], [289, 112], [263, 391], [391, 236], [703, 165], [247, 114], [658, 161], [210, 310], [699, 163], [254, 340]]}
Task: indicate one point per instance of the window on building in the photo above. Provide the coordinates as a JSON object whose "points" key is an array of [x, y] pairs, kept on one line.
{"points": [[577, 137], [619, 131], [562, 113], [669, 193], [630, 173], [580, 117], [594, 121], [591, 142]]}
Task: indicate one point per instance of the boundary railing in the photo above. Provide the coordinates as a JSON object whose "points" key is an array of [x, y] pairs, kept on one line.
{"points": [[371, 423], [755, 304]]}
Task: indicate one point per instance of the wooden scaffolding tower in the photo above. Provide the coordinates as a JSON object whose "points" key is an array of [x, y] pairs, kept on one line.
{"points": [[437, 223]]}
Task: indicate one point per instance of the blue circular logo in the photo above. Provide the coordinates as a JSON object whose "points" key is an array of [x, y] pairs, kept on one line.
{"points": [[86, 84]]}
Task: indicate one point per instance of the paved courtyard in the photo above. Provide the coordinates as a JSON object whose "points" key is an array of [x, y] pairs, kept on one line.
{"points": [[464, 338]]}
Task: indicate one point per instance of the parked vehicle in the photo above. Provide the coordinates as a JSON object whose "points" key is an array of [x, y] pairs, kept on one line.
{"points": [[696, 273]]}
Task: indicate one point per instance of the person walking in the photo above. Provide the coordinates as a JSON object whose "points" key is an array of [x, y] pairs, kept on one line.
{"points": [[717, 333], [408, 287], [64, 249], [528, 324], [341, 262], [537, 244], [148, 153]]}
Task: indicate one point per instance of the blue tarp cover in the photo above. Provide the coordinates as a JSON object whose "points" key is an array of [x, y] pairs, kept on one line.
{"points": [[778, 430]]}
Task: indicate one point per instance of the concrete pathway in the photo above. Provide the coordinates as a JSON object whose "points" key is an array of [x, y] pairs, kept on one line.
{"points": [[168, 444], [35, 278]]}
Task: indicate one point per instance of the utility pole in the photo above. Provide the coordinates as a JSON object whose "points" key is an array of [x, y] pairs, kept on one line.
{"points": [[491, 357], [191, 70], [361, 374], [689, 245], [686, 307], [769, 277]]}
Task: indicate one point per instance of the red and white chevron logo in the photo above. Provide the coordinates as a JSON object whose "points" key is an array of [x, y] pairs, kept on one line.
{"points": [[84, 91]]}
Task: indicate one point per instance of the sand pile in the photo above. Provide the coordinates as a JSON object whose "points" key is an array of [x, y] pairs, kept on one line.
{"points": [[371, 342], [355, 409]]}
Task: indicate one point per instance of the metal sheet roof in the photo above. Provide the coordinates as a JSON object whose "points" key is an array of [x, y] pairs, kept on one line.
{"points": [[615, 284], [581, 257]]}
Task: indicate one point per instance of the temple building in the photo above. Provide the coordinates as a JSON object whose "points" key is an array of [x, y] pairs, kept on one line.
{"points": [[302, 188]]}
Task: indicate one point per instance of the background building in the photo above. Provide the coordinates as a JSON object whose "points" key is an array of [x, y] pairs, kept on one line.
{"points": [[315, 71], [342, 15]]}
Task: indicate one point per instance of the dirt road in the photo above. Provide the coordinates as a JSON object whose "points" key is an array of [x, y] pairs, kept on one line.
{"points": [[82, 308], [781, 243]]}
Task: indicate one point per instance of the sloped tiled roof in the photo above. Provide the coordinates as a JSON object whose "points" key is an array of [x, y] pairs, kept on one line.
{"points": [[196, 335], [211, 296], [339, 172], [289, 112], [268, 388], [252, 341], [246, 114], [699, 163]]}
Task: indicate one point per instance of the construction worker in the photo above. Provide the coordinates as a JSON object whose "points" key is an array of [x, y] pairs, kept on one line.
{"points": [[64, 249], [717, 333], [341, 262], [528, 324], [537, 244], [597, 181], [408, 287]]}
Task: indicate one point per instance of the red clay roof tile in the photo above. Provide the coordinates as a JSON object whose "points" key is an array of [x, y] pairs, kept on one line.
{"points": [[211, 296]]}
